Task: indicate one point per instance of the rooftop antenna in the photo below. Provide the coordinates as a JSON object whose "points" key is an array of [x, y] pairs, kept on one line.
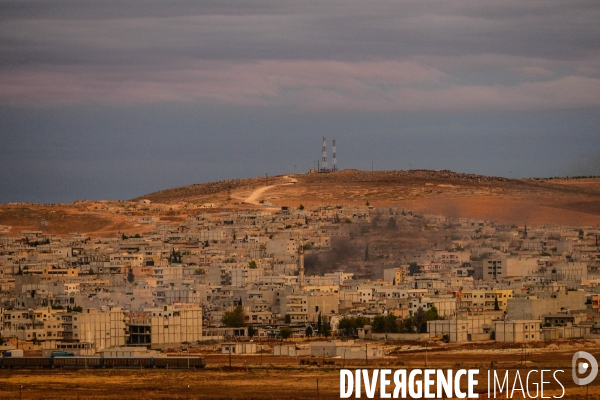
{"points": [[334, 165], [324, 157]]}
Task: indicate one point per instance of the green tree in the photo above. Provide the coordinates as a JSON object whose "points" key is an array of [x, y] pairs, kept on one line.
{"points": [[309, 331], [367, 253], [130, 276], [287, 319], [286, 332], [319, 323], [326, 329], [420, 320], [432, 314], [385, 324], [199, 271], [252, 264], [252, 331], [496, 305], [349, 325], [235, 318], [301, 207], [413, 268]]}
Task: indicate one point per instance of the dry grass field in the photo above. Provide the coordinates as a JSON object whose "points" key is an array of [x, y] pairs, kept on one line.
{"points": [[284, 378]]}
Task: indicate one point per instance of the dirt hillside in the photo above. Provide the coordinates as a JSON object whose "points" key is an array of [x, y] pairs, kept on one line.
{"points": [[573, 202]]}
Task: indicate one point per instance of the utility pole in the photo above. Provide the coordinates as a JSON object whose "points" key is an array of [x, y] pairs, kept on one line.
{"points": [[318, 395]]}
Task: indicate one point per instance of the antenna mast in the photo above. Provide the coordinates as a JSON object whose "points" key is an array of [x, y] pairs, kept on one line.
{"points": [[324, 157]]}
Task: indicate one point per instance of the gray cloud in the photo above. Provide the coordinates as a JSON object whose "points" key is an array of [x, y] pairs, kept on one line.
{"points": [[240, 80]]}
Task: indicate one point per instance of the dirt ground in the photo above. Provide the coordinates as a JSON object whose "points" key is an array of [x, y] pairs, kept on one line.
{"points": [[285, 378], [572, 202]]}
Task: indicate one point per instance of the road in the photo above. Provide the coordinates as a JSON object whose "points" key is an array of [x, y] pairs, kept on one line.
{"points": [[255, 196]]}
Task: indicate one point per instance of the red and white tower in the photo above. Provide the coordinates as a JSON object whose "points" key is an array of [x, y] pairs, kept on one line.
{"points": [[334, 162], [324, 157]]}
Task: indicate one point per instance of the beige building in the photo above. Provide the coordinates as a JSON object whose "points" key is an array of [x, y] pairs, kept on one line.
{"points": [[104, 329], [462, 329], [535, 306], [519, 331], [484, 299], [303, 308], [168, 326]]}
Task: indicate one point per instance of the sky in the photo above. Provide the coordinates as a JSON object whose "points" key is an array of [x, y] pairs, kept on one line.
{"points": [[113, 99]]}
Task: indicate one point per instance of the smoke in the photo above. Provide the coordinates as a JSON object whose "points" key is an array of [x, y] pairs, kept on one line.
{"points": [[341, 253]]}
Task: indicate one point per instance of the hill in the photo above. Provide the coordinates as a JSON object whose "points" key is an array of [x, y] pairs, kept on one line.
{"points": [[510, 201]]}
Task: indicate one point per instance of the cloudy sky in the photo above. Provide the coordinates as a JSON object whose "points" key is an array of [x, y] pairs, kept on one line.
{"points": [[111, 99]]}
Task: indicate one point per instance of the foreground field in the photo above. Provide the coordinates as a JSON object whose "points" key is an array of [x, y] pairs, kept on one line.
{"points": [[284, 378]]}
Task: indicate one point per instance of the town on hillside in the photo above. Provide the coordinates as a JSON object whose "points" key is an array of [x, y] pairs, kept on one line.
{"points": [[344, 274]]}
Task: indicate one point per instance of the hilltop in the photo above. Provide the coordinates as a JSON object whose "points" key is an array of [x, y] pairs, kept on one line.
{"points": [[533, 201], [509, 201]]}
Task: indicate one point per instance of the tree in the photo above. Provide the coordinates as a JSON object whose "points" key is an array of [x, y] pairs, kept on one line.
{"points": [[413, 268], [420, 320], [385, 324], [252, 264], [367, 253], [308, 332], [199, 271], [432, 314], [130, 276], [252, 331], [301, 207], [286, 332], [349, 325], [235, 318], [287, 319], [326, 329], [319, 322], [496, 305]]}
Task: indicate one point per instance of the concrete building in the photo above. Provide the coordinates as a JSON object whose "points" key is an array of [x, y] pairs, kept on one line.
{"points": [[168, 326], [349, 350], [484, 299], [462, 329], [105, 329], [519, 331], [534, 306], [238, 348]]}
